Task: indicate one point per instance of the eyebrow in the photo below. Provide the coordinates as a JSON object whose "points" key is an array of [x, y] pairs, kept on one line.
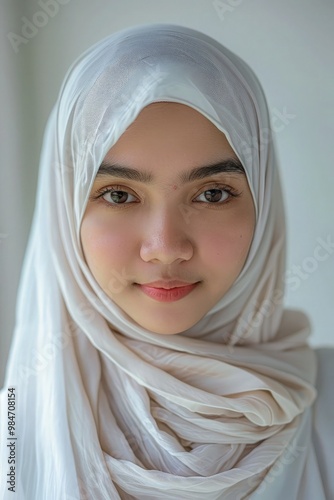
{"points": [[230, 165]]}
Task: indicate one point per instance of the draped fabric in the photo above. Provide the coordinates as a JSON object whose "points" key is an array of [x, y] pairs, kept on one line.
{"points": [[106, 409]]}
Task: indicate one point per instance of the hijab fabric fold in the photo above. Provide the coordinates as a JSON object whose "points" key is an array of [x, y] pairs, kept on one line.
{"points": [[107, 409]]}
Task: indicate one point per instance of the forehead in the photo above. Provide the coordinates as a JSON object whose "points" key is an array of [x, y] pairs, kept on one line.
{"points": [[174, 142], [171, 132]]}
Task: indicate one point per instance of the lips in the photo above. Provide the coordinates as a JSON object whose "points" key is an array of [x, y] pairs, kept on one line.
{"points": [[168, 292], [166, 284]]}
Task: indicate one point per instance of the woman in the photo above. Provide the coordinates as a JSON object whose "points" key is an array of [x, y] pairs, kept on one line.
{"points": [[152, 357]]}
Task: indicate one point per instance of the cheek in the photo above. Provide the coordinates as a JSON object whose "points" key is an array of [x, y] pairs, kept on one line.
{"points": [[105, 247], [225, 245]]}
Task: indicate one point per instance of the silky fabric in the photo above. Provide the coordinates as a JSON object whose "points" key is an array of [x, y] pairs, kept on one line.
{"points": [[106, 409]]}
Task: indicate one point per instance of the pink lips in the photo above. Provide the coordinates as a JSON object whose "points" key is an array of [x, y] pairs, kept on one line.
{"points": [[167, 291]]}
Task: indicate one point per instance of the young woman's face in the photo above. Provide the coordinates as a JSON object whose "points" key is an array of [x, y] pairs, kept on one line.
{"points": [[197, 231]]}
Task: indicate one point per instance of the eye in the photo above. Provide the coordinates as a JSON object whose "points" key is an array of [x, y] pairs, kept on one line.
{"points": [[218, 194], [115, 195]]}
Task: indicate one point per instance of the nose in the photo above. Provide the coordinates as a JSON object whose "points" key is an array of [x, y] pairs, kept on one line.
{"points": [[164, 238]]}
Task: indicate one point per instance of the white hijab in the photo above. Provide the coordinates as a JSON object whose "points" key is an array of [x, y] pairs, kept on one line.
{"points": [[107, 413]]}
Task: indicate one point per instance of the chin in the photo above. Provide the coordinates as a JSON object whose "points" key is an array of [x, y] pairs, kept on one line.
{"points": [[167, 328]]}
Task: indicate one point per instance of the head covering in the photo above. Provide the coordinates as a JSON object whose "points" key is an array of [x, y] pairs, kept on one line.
{"points": [[106, 409]]}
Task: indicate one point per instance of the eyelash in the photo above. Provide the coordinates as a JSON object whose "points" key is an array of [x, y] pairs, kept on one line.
{"points": [[233, 193]]}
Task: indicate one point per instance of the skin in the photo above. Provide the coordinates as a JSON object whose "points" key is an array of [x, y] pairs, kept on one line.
{"points": [[168, 230]]}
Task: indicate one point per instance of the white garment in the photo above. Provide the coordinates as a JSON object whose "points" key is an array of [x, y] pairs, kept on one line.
{"points": [[125, 413]]}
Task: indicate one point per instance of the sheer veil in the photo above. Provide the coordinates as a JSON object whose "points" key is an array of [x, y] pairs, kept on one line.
{"points": [[104, 408]]}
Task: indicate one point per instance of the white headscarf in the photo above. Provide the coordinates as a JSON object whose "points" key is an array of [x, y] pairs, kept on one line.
{"points": [[108, 413]]}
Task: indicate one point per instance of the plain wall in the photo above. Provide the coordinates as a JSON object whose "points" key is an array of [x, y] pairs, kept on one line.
{"points": [[288, 44]]}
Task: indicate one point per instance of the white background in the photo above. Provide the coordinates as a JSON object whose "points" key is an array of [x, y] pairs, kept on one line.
{"points": [[289, 45]]}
